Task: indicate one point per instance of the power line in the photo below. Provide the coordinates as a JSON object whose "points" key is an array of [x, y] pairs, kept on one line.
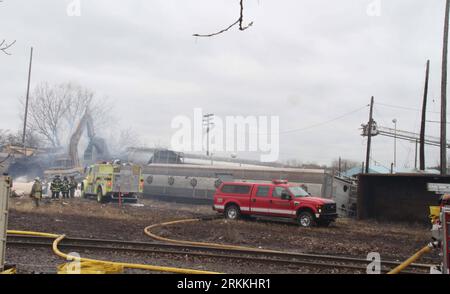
{"points": [[325, 122], [435, 121], [405, 107]]}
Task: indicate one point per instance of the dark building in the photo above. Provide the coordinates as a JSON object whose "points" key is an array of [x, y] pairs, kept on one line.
{"points": [[398, 197]]}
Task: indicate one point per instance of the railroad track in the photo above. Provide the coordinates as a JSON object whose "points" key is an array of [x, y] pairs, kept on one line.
{"points": [[289, 259]]}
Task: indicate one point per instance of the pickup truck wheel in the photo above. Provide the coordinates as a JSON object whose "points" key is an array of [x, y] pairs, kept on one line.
{"points": [[232, 212], [305, 219]]}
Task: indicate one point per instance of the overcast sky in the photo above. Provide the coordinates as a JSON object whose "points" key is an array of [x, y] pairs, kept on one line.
{"points": [[305, 61]]}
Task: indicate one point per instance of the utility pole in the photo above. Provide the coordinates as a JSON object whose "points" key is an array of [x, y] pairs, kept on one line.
{"points": [[208, 123], [26, 104], [444, 93], [369, 136], [415, 160], [395, 141], [424, 119]]}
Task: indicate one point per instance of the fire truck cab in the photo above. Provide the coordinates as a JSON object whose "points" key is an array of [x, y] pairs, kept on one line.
{"points": [[277, 199]]}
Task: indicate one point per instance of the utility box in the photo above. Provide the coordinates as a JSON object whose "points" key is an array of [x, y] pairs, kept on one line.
{"points": [[5, 192]]}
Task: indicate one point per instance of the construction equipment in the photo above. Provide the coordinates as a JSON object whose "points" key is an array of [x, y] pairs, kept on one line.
{"points": [[96, 150], [5, 193]]}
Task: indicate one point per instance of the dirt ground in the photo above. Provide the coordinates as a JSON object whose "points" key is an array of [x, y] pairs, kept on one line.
{"points": [[86, 218]]}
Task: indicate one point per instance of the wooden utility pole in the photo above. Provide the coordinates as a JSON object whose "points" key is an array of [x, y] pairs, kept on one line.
{"points": [[26, 105], [424, 119], [444, 93], [415, 159], [369, 136]]}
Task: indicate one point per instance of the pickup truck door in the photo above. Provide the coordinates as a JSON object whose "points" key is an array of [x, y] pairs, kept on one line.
{"points": [[281, 207], [260, 200]]}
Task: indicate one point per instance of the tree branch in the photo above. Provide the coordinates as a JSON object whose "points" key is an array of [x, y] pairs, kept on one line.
{"points": [[5, 46], [239, 21]]}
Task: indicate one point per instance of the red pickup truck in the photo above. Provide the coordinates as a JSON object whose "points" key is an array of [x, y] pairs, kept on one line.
{"points": [[276, 199]]}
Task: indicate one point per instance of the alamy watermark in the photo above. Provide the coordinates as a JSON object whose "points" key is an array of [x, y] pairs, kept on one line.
{"points": [[374, 267], [74, 8], [228, 134], [374, 8]]}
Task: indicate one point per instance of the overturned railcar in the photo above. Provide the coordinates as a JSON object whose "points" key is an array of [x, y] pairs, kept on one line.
{"points": [[197, 184]]}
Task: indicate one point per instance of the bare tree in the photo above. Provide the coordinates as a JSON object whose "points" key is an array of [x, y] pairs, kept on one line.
{"points": [[120, 141], [346, 164], [47, 106], [82, 99], [4, 46], [55, 111], [7, 137], [239, 22]]}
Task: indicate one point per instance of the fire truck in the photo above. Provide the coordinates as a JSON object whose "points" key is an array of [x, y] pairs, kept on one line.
{"points": [[108, 181], [277, 199]]}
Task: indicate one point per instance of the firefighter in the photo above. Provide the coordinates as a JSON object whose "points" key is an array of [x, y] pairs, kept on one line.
{"points": [[55, 187], [65, 188], [73, 186], [36, 191]]}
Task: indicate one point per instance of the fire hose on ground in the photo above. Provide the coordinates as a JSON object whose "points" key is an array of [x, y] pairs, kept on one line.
{"points": [[94, 265], [412, 259], [148, 232]]}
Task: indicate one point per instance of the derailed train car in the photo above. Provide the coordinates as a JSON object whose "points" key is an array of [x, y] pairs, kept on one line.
{"points": [[197, 183]]}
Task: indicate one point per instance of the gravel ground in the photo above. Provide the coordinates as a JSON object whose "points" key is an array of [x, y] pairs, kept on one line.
{"points": [[86, 218], [345, 237]]}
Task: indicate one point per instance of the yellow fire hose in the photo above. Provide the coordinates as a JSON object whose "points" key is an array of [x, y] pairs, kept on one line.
{"points": [[148, 232], [59, 238], [411, 260]]}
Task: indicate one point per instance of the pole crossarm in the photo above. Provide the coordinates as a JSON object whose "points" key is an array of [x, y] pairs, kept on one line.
{"points": [[403, 135]]}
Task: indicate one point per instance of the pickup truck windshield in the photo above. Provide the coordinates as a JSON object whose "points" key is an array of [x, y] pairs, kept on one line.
{"points": [[298, 192]]}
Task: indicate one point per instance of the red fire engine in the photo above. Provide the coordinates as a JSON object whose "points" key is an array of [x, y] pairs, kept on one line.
{"points": [[276, 199]]}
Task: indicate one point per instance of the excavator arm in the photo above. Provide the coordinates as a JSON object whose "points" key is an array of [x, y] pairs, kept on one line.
{"points": [[86, 121]]}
